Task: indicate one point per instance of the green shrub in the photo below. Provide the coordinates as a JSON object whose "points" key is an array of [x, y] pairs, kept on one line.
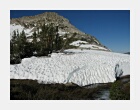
{"points": [[120, 91]]}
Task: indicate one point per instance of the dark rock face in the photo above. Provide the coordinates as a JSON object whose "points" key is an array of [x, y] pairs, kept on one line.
{"points": [[48, 17]]}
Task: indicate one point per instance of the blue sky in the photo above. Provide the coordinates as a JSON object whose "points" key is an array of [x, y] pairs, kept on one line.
{"points": [[110, 27]]}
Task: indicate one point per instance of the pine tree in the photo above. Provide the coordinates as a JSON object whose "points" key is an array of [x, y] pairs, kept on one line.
{"points": [[14, 37], [60, 41], [14, 49], [43, 40], [56, 39], [22, 44], [35, 43], [38, 31], [47, 36], [34, 38], [51, 36]]}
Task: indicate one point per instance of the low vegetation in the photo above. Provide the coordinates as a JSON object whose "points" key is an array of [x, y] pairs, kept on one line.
{"points": [[120, 89], [32, 90]]}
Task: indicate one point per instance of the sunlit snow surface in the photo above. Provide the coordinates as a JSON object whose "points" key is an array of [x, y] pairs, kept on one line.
{"points": [[82, 67], [78, 43], [86, 45]]}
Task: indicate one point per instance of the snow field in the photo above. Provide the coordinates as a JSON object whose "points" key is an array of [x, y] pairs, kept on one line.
{"points": [[87, 67]]}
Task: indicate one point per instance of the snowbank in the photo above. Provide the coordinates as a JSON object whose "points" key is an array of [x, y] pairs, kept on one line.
{"points": [[83, 68], [86, 45], [78, 43]]}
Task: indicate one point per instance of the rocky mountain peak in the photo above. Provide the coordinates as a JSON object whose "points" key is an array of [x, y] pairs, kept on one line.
{"points": [[31, 23], [47, 17]]}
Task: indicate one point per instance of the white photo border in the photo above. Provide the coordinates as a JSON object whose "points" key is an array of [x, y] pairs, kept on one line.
{"points": [[6, 6]]}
